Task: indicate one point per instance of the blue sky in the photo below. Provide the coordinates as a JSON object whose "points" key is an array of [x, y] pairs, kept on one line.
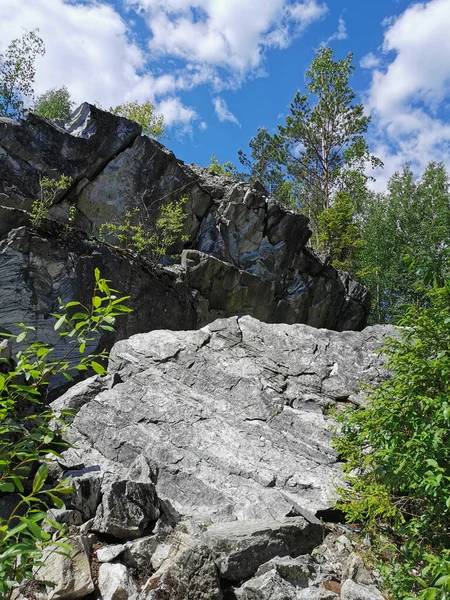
{"points": [[219, 69]]}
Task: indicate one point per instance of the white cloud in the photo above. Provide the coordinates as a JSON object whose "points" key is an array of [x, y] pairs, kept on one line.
{"points": [[340, 34], [225, 34], [222, 111], [88, 50], [91, 49], [174, 111], [307, 12], [406, 99], [370, 61], [203, 126]]}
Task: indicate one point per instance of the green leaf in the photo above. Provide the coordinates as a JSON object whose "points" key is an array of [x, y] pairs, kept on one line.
{"points": [[60, 322], [98, 368], [6, 486], [40, 478]]}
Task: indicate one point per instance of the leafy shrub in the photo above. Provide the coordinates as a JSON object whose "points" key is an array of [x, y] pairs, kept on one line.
{"points": [[136, 231], [144, 114], [397, 451], [49, 189], [226, 169], [27, 438]]}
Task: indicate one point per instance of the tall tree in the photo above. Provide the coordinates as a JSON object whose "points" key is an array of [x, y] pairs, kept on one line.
{"points": [[17, 73], [54, 104], [321, 148]]}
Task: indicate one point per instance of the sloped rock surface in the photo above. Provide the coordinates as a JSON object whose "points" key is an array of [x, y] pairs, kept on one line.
{"points": [[261, 246], [230, 417], [79, 147]]}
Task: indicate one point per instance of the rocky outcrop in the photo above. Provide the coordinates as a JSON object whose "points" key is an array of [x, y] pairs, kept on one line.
{"points": [[230, 419], [204, 458], [37, 269], [235, 234]]}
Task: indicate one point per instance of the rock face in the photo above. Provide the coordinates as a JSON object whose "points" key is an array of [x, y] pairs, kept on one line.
{"points": [[203, 457], [230, 418], [245, 254], [37, 269]]}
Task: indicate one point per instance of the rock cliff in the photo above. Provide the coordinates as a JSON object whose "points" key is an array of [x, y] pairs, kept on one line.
{"points": [[244, 254]]}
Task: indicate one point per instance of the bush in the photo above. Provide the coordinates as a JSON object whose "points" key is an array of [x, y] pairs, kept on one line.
{"points": [[49, 190], [397, 452], [27, 439], [226, 169], [152, 240], [144, 114]]}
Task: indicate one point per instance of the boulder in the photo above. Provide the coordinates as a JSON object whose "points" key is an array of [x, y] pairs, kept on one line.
{"points": [[355, 591], [79, 148], [257, 248], [243, 546], [127, 509], [114, 582], [70, 574], [232, 417]]}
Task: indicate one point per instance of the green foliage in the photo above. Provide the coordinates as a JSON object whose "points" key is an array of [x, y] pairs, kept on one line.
{"points": [[321, 148], [138, 233], [397, 449], [412, 219], [263, 167], [226, 169], [27, 438], [54, 104], [339, 235], [50, 188], [144, 114], [17, 73]]}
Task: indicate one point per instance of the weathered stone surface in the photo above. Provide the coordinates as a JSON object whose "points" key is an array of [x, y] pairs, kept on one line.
{"points": [[188, 573], [114, 582], [107, 554], [231, 416], [127, 508], [36, 270], [269, 586], [242, 546], [80, 148], [70, 574], [86, 493], [355, 569], [355, 591]]}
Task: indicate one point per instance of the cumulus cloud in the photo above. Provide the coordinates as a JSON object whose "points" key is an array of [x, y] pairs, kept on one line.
{"points": [[408, 97], [175, 111], [222, 111], [228, 34], [92, 50], [89, 50]]}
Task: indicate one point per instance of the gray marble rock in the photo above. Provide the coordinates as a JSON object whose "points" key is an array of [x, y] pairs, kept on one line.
{"points": [[127, 508], [114, 582], [355, 591], [232, 418], [242, 546], [70, 574]]}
